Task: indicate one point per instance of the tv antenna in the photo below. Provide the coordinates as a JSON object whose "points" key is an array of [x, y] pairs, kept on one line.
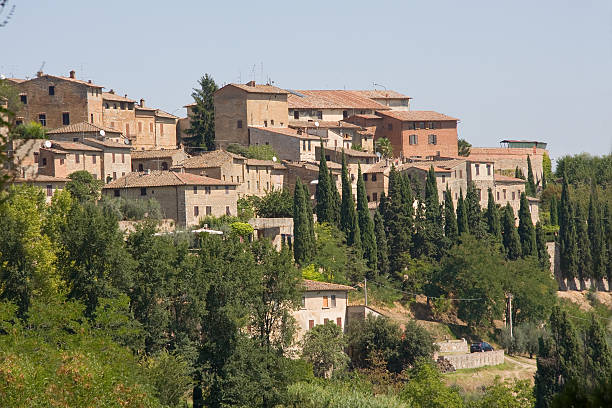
{"points": [[42, 66]]}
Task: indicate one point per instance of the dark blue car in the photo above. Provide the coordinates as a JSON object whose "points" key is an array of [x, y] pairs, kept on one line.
{"points": [[480, 347]]}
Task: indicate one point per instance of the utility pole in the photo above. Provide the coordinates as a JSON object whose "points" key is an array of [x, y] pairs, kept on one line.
{"points": [[365, 289]]}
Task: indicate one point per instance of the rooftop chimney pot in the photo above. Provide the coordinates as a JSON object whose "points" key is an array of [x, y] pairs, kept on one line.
{"points": [[72, 74], [112, 91], [89, 81], [39, 74], [251, 83], [142, 103]]}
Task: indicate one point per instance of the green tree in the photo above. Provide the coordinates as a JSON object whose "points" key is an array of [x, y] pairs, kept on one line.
{"points": [[398, 221], [202, 120], [518, 173], [530, 186], [323, 347], [597, 353], [170, 375], [276, 203], [325, 207], [463, 147], [433, 239], [426, 389], [366, 225], [517, 394], [450, 219], [347, 209], [373, 337], [567, 234], [303, 238], [474, 212], [336, 200], [511, 239], [525, 229], [554, 211], [416, 345], [83, 186], [492, 218], [547, 166], [30, 130], [607, 229], [10, 94], [542, 250], [462, 221], [384, 147], [585, 259], [382, 254], [596, 238]]}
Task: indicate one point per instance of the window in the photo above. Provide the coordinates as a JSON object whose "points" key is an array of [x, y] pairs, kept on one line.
{"points": [[91, 117], [227, 189], [421, 125], [303, 145], [365, 177], [265, 123], [52, 90], [65, 118], [373, 176], [143, 191], [140, 167], [106, 105], [239, 124], [164, 166], [113, 157], [296, 114], [477, 167], [333, 300], [310, 324], [122, 157], [18, 122], [319, 114], [114, 175], [62, 161], [24, 99], [309, 145], [139, 127], [498, 196], [433, 139], [345, 114], [122, 105], [114, 106], [49, 190], [513, 195], [227, 210], [44, 161], [389, 126], [207, 190], [488, 169], [443, 178], [42, 118], [117, 193], [325, 320], [504, 190], [460, 173], [208, 210], [272, 122], [325, 302], [375, 196], [339, 321], [430, 125], [151, 127], [195, 189], [196, 211], [413, 139], [303, 302], [161, 129], [93, 159], [77, 158]]}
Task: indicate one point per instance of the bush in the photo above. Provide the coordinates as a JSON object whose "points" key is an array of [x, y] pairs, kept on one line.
{"points": [[30, 130], [323, 347], [260, 152], [309, 395], [275, 204], [132, 209]]}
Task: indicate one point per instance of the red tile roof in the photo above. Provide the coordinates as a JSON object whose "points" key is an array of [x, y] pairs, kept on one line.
{"points": [[324, 124], [266, 89], [164, 178], [74, 146], [380, 94], [155, 154], [314, 286], [330, 99], [407, 116], [76, 81], [82, 127], [109, 143], [107, 96], [207, 160], [287, 132], [41, 178]]}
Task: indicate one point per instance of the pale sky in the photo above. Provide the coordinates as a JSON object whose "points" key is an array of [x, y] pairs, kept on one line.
{"points": [[537, 70]]}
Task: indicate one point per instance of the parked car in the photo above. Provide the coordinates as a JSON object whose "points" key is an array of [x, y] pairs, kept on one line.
{"points": [[480, 347]]}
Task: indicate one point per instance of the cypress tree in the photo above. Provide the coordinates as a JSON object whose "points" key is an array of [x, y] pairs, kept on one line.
{"points": [[596, 238], [323, 195], [597, 353], [518, 173], [397, 223], [492, 217], [530, 187], [382, 254], [525, 229], [607, 242], [347, 207], [432, 202], [450, 219], [336, 201], [510, 236], [382, 204], [544, 182], [432, 229], [554, 211], [462, 222], [585, 260], [474, 212], [303, 244], [366, 224], [567, 234], [543, 256]]}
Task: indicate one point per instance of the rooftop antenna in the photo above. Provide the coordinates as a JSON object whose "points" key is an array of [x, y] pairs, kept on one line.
{"points": [[42, 66], [375, 85], [253, 72]]}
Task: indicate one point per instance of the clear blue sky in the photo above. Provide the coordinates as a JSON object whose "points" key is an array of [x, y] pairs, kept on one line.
{"points": [[514, 69]]}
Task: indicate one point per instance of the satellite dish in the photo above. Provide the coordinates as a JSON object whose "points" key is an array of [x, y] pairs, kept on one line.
{"points": [[102, 132], [317, 124], [274, 159], [47, 144], [126, 141], [379, 154]]}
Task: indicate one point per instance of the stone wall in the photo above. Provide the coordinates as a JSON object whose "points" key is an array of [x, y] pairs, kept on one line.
{"points": [[475, 360], [453, 346]]}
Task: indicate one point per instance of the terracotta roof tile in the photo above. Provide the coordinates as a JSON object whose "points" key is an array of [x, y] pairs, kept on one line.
{"points": [[267, 89], [380, 167], [41, 178], [330, 99], [380, 94], [507, 179], [163, 114], [77, 81], [313, 286], [350, 152], [107, 96], [155, 154], [329, 124], [416, 115], [163, 178], [286, 131], [74, 146], [82, 127], [108, 143], [216, 158]]}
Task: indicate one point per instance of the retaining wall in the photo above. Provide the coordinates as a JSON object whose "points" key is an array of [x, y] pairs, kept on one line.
{"points": [[474, 360], [453, 346]]}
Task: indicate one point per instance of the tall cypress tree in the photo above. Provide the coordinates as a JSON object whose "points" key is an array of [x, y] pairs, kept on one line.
{"points": [[347, 208], [324, 195], [382, 254], [336, 201], [567, 234], [474, 212], [554, 211], [518, 173], [525, 229], [544, 181], [202, 120], [597, 353], [607, 231], [543, 256], [303, 247], [366, 224], [432, 202], [432, 230], [530, 187], [462, 222], [450, 219], [397, 223], [382, 205], [596, 237], [585, 260], [510, 236], [492, 217]]}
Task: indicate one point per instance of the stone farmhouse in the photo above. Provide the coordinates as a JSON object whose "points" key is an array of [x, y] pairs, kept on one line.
{"points": [[56, 101], [183, 197]]}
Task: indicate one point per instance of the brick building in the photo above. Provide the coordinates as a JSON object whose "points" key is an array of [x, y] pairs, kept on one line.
{"points": [[78, 132], [183, 197], [240, 106], [338, 134], [391, 99]]}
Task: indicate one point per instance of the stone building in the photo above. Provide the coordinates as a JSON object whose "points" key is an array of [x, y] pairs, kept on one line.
{"points": [[419, 134], [289, 144], [329, 105], [78, 132], [56, 101], [389, 98], [183, 197], [308, 172], [338, 135], [143, 160], [241, 106], [321, 302], [354, 157], [49, 184]]}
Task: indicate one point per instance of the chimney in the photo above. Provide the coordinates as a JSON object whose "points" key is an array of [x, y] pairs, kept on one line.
{"points": [[89, 81], [39, 74], [125, 95], [251, 83], [112, 91], [141, 103], [72, 74]]}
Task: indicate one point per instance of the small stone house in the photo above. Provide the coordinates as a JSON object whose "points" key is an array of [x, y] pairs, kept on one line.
{"points": [[158, 160], [289, 144]]}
